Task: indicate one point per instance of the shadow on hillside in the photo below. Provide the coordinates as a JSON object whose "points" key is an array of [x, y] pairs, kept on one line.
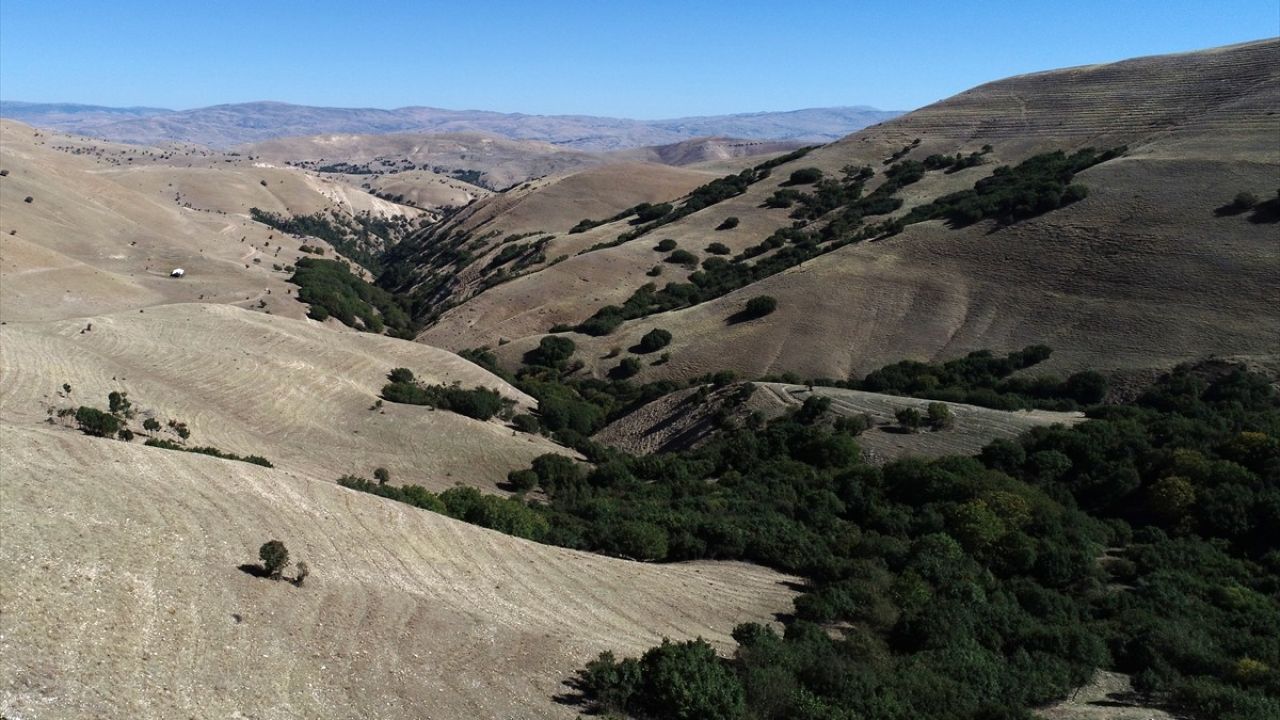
{"points": [[255, 570], [1230, 209], [739, 317], [1267, 212], [576, 696]]}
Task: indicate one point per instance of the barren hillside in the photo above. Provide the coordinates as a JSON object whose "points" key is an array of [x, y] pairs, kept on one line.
{"points": [[296, 392], [101, 233], [1141, 273], [123, 598], [486, 160]]}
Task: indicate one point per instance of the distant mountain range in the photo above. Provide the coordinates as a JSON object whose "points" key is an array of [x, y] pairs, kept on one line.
{"points": [[223, 126]]}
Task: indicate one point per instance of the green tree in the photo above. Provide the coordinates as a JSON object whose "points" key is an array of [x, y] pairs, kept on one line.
{"points": [[655, 340], [805, 176], [687, 681], [761, 305], [400, 375], [522, 480], [940, 416], [629, 367], [909, 419], [553, 351], [274, 557], [118, 402], [381, 475], [93, 421]]}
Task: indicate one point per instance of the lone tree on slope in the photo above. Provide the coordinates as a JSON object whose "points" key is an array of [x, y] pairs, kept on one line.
{"points": [[275, 558]]}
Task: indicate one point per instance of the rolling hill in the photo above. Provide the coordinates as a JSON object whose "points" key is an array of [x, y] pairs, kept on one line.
{"points": [[223, 126], [123, 598], [1143, 273], [122, 592]]}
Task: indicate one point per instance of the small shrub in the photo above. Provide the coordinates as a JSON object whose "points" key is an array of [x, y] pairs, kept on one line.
{"points": [[653, 212], [855, 424], [1244, 200], [552, 352], [666, 245], [805, 176], [761, 305], [275, 558], [151, 424], [522, 480], [301, 572], [655, 340], [381, 475], [718, 248], [629, 367], [728, 224], [940, 416], [180, 428], [526, 423], [682, 257], [400, 375], [654, 271], [909, 419], [118, 403]]}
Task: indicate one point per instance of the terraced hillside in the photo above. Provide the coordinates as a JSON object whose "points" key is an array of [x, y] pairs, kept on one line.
{"points": [[1141, 273], [123, 598], [298, 393]]}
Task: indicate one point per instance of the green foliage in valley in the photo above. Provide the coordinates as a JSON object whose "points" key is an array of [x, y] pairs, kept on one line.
{"points": [[360, 237], [330, 288], [982, 378], [1142, 540]]}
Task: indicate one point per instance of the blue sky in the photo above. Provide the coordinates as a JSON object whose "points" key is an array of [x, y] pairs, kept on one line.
{"points": [[636, 58]]}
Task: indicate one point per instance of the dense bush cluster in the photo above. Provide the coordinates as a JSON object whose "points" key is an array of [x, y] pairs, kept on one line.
{"points": [[479, 403], [962, 586], [1035, 186], [982, 378], [761, 305], [352, 236], [510, 516], [330, 288], [655, 340]]}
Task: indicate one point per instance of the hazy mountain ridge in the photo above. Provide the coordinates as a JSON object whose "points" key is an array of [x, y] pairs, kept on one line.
{"points": [[227, 125]]}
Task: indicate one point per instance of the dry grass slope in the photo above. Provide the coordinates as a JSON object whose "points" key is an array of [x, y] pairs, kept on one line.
{"points": [[296, 392], [1139, 275], [123, 599]]}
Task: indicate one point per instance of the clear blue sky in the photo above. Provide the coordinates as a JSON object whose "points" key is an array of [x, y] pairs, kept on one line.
{"points": [[632, 58]]}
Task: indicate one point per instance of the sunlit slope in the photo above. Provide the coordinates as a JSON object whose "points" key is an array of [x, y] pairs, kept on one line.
{"points": [[1142, 273], [122, 596], [296, 392], [100, 236]]}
